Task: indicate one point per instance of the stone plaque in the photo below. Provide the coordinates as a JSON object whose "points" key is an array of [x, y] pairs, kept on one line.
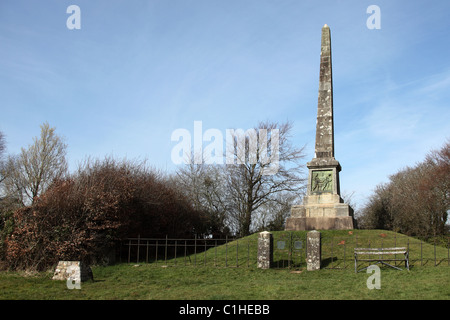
{"points": [[281, 244], [322, 181]]}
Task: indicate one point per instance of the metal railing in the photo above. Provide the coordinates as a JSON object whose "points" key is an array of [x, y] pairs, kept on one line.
{"points": [[289, 250], [338, 252], [197, 252]]}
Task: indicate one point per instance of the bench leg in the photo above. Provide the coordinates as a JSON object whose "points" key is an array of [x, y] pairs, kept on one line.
{"points": [[356, 271], [378, 261], [389, 265], [407, 261]]}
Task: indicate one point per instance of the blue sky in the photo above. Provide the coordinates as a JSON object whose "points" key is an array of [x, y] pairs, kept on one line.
{"points": [[138, 70]]}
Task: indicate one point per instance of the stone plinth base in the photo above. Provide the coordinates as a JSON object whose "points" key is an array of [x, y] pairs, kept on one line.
{"points": [[319, 223], [75, 270], [321, 212]]}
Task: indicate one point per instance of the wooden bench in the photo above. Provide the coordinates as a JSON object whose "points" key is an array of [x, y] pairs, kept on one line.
{"points": [[379, 254]]}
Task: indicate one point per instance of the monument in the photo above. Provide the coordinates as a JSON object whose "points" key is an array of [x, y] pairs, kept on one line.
{"points": [[323, 207]]}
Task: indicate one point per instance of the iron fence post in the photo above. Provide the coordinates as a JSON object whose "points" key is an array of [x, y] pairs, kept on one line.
{"points": [[156, 252], [226, 251], [248, 253], [421, 255], [345, 243], [165, 252], [237, 253], [185, 249], [129, 250], [138, 244], [175, 252], [407, 253], [395, 239], [332, 241], [204, 258], [215, 253], [195, 250], [290, 250], [435, 252]]}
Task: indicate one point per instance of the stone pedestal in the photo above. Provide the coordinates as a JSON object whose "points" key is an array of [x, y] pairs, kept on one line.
{"points": [[326, 223], [321, 212], [265, 250], [313, 250], [75, 270]]}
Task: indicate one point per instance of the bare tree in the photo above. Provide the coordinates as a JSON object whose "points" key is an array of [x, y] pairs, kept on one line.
{"points": [[203, 184], [270, 165], [272, 215], [35, 168], [416, 199], [2, 150], [2, 144]]}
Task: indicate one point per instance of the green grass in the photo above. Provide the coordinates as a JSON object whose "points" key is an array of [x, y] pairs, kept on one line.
{"points": [[211, 280], [126, 281]]}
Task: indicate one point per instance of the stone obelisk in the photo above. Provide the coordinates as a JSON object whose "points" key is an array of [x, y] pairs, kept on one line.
{"points": [[323, 207]]}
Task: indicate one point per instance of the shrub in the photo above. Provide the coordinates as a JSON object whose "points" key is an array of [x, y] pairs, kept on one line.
{"points": [[82, 217]]}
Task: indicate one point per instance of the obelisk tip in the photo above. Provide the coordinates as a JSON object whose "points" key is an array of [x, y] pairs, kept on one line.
{"points": [[325, 26]]}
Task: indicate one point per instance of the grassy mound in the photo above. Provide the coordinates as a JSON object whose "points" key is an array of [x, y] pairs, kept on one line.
{"points": [[290, 250], [229, 272]]}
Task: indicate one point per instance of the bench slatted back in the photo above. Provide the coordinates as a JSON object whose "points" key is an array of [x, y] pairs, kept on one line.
{"points": [[380, 251]]}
